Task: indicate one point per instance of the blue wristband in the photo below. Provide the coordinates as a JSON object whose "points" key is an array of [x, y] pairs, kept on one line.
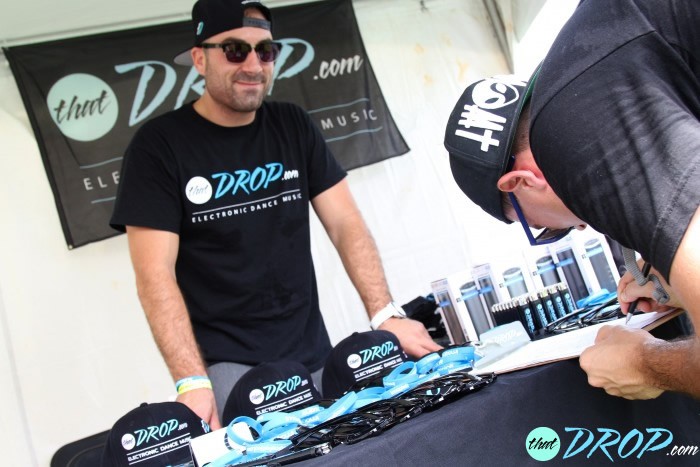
{"points": [[339, 407], [253, 425], [425, 364], [368, 395], [404, 373]]}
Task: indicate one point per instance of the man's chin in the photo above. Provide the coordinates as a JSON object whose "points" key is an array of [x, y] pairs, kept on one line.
{"points": [[247, 105]]}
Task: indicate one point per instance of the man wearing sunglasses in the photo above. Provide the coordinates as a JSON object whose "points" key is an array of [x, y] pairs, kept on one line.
{"points": [[604, 133], [214, 198]]}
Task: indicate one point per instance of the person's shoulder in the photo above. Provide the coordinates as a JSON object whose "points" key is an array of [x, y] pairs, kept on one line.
{"points": [[595, 32], [181, 114], [167, 121], [282, 107], [162, 127], [285, 114]]}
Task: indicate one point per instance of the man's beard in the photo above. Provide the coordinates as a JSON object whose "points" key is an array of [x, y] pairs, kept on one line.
{"points": [[246, 101], [239, 100]]}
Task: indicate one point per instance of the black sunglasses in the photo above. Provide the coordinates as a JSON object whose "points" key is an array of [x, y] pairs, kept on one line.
{"points": [[237, 51], [546, 236]]}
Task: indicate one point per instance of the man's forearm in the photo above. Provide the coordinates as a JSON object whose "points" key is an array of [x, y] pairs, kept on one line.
{"points": [[347, 230], [673, 366], [171, 327], [676, 365], [361, 260]]}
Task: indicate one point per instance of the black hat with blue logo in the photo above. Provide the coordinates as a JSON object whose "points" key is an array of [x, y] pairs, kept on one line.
{"points": [[270, 387], [211, 17], [360, 357], [480, 133], [153, 435]]}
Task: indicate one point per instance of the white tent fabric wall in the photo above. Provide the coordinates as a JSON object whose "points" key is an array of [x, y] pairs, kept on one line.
{"points": [[76, 350], [413, 207]]}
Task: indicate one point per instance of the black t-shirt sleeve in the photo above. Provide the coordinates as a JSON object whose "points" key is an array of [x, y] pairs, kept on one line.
{"points": [[321, 165], [615, 125], [148, 193]]}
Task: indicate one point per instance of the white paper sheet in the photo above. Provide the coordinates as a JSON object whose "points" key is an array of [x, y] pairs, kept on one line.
{"points": [[564, 346]]}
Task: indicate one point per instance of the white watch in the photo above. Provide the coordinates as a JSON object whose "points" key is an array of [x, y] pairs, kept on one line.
{"points": [[392, 310]]}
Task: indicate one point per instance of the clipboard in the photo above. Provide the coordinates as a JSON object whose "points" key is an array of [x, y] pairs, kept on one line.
{"points": [[570, 344]]}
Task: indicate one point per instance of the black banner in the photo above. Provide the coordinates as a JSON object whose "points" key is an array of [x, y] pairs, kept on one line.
{"points": [[86, 97]]}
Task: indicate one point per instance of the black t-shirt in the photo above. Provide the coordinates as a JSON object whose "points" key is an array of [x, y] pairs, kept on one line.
{"points": [[239, 200], [615, 125]]}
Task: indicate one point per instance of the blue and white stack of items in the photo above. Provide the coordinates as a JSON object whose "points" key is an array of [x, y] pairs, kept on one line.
{"points": [[536, 310], [468, 299], [548, 307]]}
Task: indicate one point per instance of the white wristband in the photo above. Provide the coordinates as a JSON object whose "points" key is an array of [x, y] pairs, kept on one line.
{"points": [[392, 310]]}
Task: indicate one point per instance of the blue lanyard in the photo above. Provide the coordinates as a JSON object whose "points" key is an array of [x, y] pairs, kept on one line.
{"points": [[265, 440]]}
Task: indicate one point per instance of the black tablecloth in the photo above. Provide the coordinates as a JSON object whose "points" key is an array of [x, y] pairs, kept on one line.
{"points": [[490, 427]]}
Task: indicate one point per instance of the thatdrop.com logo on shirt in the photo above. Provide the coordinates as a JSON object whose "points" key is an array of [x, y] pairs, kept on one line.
{"points": [[199, 189]]}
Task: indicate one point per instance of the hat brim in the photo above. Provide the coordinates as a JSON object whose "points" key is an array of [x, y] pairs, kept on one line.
{"points": [[184, 58]]}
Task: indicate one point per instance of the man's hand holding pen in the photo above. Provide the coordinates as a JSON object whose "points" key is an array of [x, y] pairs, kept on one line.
{"points": [[630, 293]]}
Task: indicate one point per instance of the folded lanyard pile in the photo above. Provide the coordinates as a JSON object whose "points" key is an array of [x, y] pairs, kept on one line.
{"points": [[354, 416]]}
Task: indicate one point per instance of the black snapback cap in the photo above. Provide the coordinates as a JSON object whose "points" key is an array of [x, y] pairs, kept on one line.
{"points": [[211, 17], [270, 387], [358, 357], [153, 435], [479, 136]]}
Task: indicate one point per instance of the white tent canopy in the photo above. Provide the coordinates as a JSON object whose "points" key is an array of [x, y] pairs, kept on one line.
{"points": [[42, 20], [76, 350]]}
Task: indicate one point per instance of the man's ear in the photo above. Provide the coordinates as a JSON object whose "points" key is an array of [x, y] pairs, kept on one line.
{"points": [[198, 59], [517, 180]]}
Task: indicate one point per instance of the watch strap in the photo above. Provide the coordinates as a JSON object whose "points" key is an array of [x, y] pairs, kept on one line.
{"points": [[392, 310]]}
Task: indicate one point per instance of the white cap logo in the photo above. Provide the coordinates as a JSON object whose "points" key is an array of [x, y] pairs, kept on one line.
{"points": [[354, 361], [256, 396], [128, 441], [497, 92]]}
